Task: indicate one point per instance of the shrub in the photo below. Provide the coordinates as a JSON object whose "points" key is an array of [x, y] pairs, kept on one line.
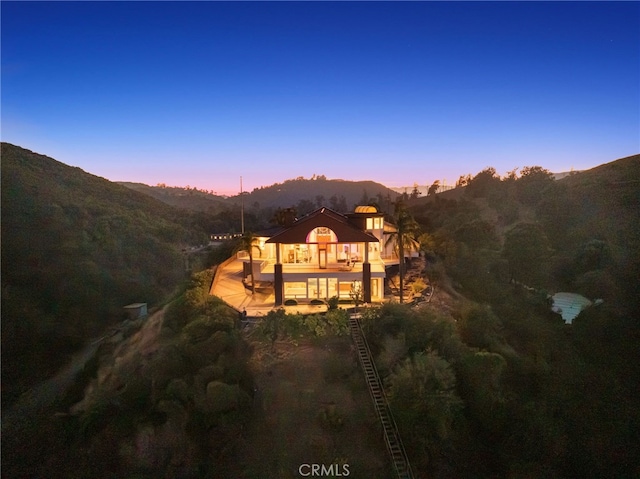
{"points": [[272, 324], [480, 327], [333, 302], [168, 364], [221, 397], [204, 326], [418, 286], [316, 325], [338, 322], [179, 390], [203, 353], [293, 325]]}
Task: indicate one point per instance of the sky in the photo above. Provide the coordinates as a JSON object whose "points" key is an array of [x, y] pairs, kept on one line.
{"points": [[203, 93]]}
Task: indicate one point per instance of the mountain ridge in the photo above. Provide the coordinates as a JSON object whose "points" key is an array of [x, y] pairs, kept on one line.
{"points": [[318, 191]]}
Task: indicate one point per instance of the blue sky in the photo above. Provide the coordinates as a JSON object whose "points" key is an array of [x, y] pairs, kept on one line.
{"points": [[201, 93]]}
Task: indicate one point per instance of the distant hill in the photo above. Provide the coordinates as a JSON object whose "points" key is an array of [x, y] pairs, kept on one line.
{"points": [[185, 198], [319, 191], [302, 194], [76, 248]]}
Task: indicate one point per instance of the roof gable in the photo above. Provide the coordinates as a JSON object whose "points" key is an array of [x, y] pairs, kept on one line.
{"points": [[323, 217]]}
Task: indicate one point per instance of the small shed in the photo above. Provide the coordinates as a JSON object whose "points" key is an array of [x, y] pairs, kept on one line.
{"points": [[136, 310]]}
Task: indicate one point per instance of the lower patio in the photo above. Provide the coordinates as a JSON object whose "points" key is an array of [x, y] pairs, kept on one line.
{"points": [[228, 285]]}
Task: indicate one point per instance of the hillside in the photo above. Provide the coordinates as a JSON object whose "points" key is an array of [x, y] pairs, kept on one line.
{"points": [[588, 221], [502, 246], [75, 249], [184, 198], [605, 200]]}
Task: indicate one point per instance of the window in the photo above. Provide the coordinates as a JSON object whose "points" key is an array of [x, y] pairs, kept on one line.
{"points": [[333, 287], [345, 290], [313, 287], [374, 223], [321, 234], [375, 288], [295, 289]]}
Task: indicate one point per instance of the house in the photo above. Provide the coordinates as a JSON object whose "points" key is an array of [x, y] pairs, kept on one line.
{"points": [[325, 254]]}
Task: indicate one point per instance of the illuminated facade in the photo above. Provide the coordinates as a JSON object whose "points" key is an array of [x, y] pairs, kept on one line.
{"points": [[326, 254]]}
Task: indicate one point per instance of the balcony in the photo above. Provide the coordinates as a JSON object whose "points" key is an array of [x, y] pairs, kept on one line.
{"points": [[265, 269]]}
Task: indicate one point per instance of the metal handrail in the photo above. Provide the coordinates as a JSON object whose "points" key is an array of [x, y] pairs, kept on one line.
{"points": [[389, 426]]}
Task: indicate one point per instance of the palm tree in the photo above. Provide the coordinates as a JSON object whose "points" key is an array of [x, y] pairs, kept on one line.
{"points": [[247, 242], [407, 230]]}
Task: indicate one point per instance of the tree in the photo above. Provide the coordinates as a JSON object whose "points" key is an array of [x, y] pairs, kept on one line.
{"points": [[407, 230], [480, 327], [427, 244], [342, 205], [463, 180], [593, 255], [532, 183], [284, 217], [511, 176], [527, 251], [424, 400], [364, 200], [477, 234], [356, 293], [481, 386], [247, 243], [415, 192], [433, 189], [305, 206], [483, 182]]}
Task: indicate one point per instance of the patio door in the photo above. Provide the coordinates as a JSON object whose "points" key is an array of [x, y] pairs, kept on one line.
{"points": [[322, 256], [322, 288]]}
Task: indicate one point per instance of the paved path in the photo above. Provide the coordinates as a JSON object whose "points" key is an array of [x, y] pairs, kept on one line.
{"points": [[229, 287]]}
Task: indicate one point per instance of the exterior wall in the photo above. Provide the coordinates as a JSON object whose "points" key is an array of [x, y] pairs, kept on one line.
{"points": [[136, 310]]}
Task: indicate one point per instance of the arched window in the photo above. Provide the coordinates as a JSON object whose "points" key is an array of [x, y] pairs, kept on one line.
{"points": [[322, 234]]}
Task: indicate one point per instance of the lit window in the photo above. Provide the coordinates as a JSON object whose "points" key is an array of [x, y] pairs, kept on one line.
{"points": [[295, 289]]}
